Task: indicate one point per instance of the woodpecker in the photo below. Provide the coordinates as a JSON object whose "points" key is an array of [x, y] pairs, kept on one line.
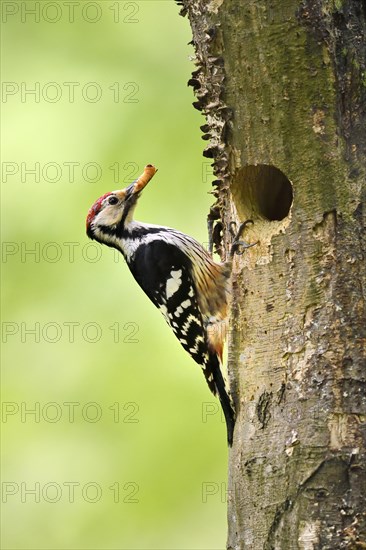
{"points": [[178, 275]]}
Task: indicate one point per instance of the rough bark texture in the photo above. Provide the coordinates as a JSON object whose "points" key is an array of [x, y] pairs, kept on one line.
{"points": [[282, 84]]}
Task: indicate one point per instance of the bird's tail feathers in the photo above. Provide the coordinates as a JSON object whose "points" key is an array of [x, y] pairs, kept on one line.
{"points": [[223, 392]]}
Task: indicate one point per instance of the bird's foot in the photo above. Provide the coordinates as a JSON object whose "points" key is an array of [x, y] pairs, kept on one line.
{"points": [[239, 246]]}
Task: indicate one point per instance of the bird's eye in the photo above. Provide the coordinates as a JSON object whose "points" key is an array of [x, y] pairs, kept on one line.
{"points": [[112, 200]]}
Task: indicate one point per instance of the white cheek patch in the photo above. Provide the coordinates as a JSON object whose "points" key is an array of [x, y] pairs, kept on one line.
{"points": [[173, 284], [110, 216]]}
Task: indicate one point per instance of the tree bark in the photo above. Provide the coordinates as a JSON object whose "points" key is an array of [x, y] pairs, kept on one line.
{"points": [[282, 84]]}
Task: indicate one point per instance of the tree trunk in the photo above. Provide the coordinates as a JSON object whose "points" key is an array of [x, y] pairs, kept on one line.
{"points": [[282, 84]]}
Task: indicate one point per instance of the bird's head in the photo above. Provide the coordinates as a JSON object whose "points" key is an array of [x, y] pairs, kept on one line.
{"points": [[113, 210]]}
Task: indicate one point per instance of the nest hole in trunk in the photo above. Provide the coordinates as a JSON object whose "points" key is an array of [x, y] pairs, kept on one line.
{"points": [[262, 191]]}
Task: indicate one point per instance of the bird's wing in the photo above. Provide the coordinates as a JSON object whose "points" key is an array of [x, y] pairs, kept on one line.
{"points": [[164, 274]]}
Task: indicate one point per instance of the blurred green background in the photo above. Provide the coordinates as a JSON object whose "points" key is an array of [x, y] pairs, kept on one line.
{"points": [[125, 447]]}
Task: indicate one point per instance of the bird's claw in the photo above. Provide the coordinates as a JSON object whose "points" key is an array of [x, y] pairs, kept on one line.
{"points": [[236, 233], [238, 247]]}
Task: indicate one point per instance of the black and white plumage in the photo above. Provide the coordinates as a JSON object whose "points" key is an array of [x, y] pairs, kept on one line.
{"points": [[179, 277]]}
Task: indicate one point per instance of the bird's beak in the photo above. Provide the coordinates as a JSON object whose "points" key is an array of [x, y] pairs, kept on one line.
{"points": [[138, 185]]}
